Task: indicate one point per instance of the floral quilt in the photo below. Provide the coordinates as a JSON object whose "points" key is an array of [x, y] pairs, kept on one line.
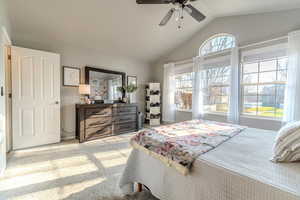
{"points": [[180, 144]]}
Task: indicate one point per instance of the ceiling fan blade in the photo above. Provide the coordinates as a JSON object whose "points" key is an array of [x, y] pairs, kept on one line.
{"points": [[168, 16], [154, 1], [196, 14]]}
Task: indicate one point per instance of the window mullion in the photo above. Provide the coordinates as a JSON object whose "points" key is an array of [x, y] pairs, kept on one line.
{"points": [[276, 87], [257, 88]]}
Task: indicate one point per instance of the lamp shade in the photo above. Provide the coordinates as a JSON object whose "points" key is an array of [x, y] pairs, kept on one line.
{"points": [[84, 89]]}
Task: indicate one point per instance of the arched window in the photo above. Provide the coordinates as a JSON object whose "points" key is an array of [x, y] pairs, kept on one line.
{"points": [[216, 73], [217, 43]]}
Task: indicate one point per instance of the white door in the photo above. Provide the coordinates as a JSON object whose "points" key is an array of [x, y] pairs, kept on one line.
{"points": [[35, 97]]}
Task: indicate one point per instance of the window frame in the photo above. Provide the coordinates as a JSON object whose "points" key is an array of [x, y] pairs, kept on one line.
{"points": [[259, 49], [275, 83], [192, 87], [219, 51], [215, 55], [221, 86]]}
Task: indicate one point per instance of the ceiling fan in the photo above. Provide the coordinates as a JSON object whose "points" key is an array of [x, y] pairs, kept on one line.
{"points": [[180, 6]]}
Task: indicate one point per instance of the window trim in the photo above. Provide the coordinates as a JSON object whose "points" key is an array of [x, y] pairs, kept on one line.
{"points": [[216, 113], [260, 117], [220, 51], [183, 110], [242, 94], [221, 86], [256, 48], [192, 79]]}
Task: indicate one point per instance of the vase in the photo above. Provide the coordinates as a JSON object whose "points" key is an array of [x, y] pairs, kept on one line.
{"points": [[128, 96]]}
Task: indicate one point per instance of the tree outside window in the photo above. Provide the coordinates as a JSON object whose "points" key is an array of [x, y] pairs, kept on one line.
{"points": [[184, 90]]}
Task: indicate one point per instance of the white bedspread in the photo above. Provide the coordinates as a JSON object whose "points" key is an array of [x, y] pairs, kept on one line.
{"points": [[239, 169]]}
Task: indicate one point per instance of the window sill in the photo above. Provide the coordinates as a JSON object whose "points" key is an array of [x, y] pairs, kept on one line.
{"points": [[216, 113], [261, 118], [207, 113], [241, 116], [181, 110]]}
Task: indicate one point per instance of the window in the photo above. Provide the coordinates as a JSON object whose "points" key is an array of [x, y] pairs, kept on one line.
{"points": [[184, 89], [216, 89], [217, 43], [217, 74], [263, 77], [263, 87]]}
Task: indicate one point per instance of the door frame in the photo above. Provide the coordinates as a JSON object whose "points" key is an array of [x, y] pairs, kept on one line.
{"points": [[5, 45], [8, 89]]}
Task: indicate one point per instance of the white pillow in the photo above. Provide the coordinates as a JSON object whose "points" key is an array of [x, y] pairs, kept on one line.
{"points": [[287, 144]]}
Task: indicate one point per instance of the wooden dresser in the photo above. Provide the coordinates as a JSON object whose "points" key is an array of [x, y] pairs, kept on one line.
{"points": [[101, 120]]}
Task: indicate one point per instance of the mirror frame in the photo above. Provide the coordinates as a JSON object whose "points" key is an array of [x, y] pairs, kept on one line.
{"points": [[89, 69]]}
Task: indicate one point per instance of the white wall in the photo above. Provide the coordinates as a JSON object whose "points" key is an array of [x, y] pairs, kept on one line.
{"points": [[4, 24], [247, 29], [4, 21]]}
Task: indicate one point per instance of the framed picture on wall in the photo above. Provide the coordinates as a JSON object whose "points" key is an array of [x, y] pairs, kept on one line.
{"points": [[71, 76], [132, 80]]}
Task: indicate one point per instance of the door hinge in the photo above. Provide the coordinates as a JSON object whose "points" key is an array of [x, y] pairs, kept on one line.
{"points": [[9, 57], [2, 92], [10, 95]]}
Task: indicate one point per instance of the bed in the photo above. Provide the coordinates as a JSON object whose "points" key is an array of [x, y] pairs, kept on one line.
{"points": [[238, 169]]}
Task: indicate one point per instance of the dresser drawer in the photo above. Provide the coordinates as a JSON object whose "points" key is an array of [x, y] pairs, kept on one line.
{"points": [[124, 110], [98, 112], [98, 121], [124, 118], [125, 127], [103, 120], [98, 132]]}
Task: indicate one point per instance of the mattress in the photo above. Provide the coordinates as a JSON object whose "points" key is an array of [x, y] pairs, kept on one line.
{"points": [[239, 169]]}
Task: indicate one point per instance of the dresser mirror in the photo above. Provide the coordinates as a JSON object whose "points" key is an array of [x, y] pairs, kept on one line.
{"points": [[104, 84]]}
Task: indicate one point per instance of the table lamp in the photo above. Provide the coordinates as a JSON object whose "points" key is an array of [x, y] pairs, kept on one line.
{"points": [[84, 91]]}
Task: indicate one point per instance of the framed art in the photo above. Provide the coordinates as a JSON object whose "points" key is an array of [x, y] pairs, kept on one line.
{"points": [[132, 80], [71, 76]]}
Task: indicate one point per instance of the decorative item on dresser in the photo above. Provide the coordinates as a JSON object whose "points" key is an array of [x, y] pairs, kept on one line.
{"points": [[129, 91], [153, 104], [95, 121], [84, 90], [132, 80]]}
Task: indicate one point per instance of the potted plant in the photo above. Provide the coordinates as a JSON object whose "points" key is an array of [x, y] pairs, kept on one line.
{"points": [[128, 90]]}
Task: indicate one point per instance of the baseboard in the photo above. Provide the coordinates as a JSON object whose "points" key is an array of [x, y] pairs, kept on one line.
{"points": [[68, 138], [65, 135], [3, 155], [2, 172]]}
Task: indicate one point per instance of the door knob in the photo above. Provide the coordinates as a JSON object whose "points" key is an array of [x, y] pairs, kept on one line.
{"points": [[56, 102]]}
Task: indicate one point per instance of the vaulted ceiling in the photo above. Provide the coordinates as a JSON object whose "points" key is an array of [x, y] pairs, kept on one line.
{"points": [[119, 27]]}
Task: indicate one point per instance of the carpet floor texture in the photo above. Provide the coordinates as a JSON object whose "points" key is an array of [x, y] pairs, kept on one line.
{"points": [[69, 171]]}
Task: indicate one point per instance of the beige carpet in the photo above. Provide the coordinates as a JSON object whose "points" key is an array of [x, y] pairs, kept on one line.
{"points": [[67, 171]]}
